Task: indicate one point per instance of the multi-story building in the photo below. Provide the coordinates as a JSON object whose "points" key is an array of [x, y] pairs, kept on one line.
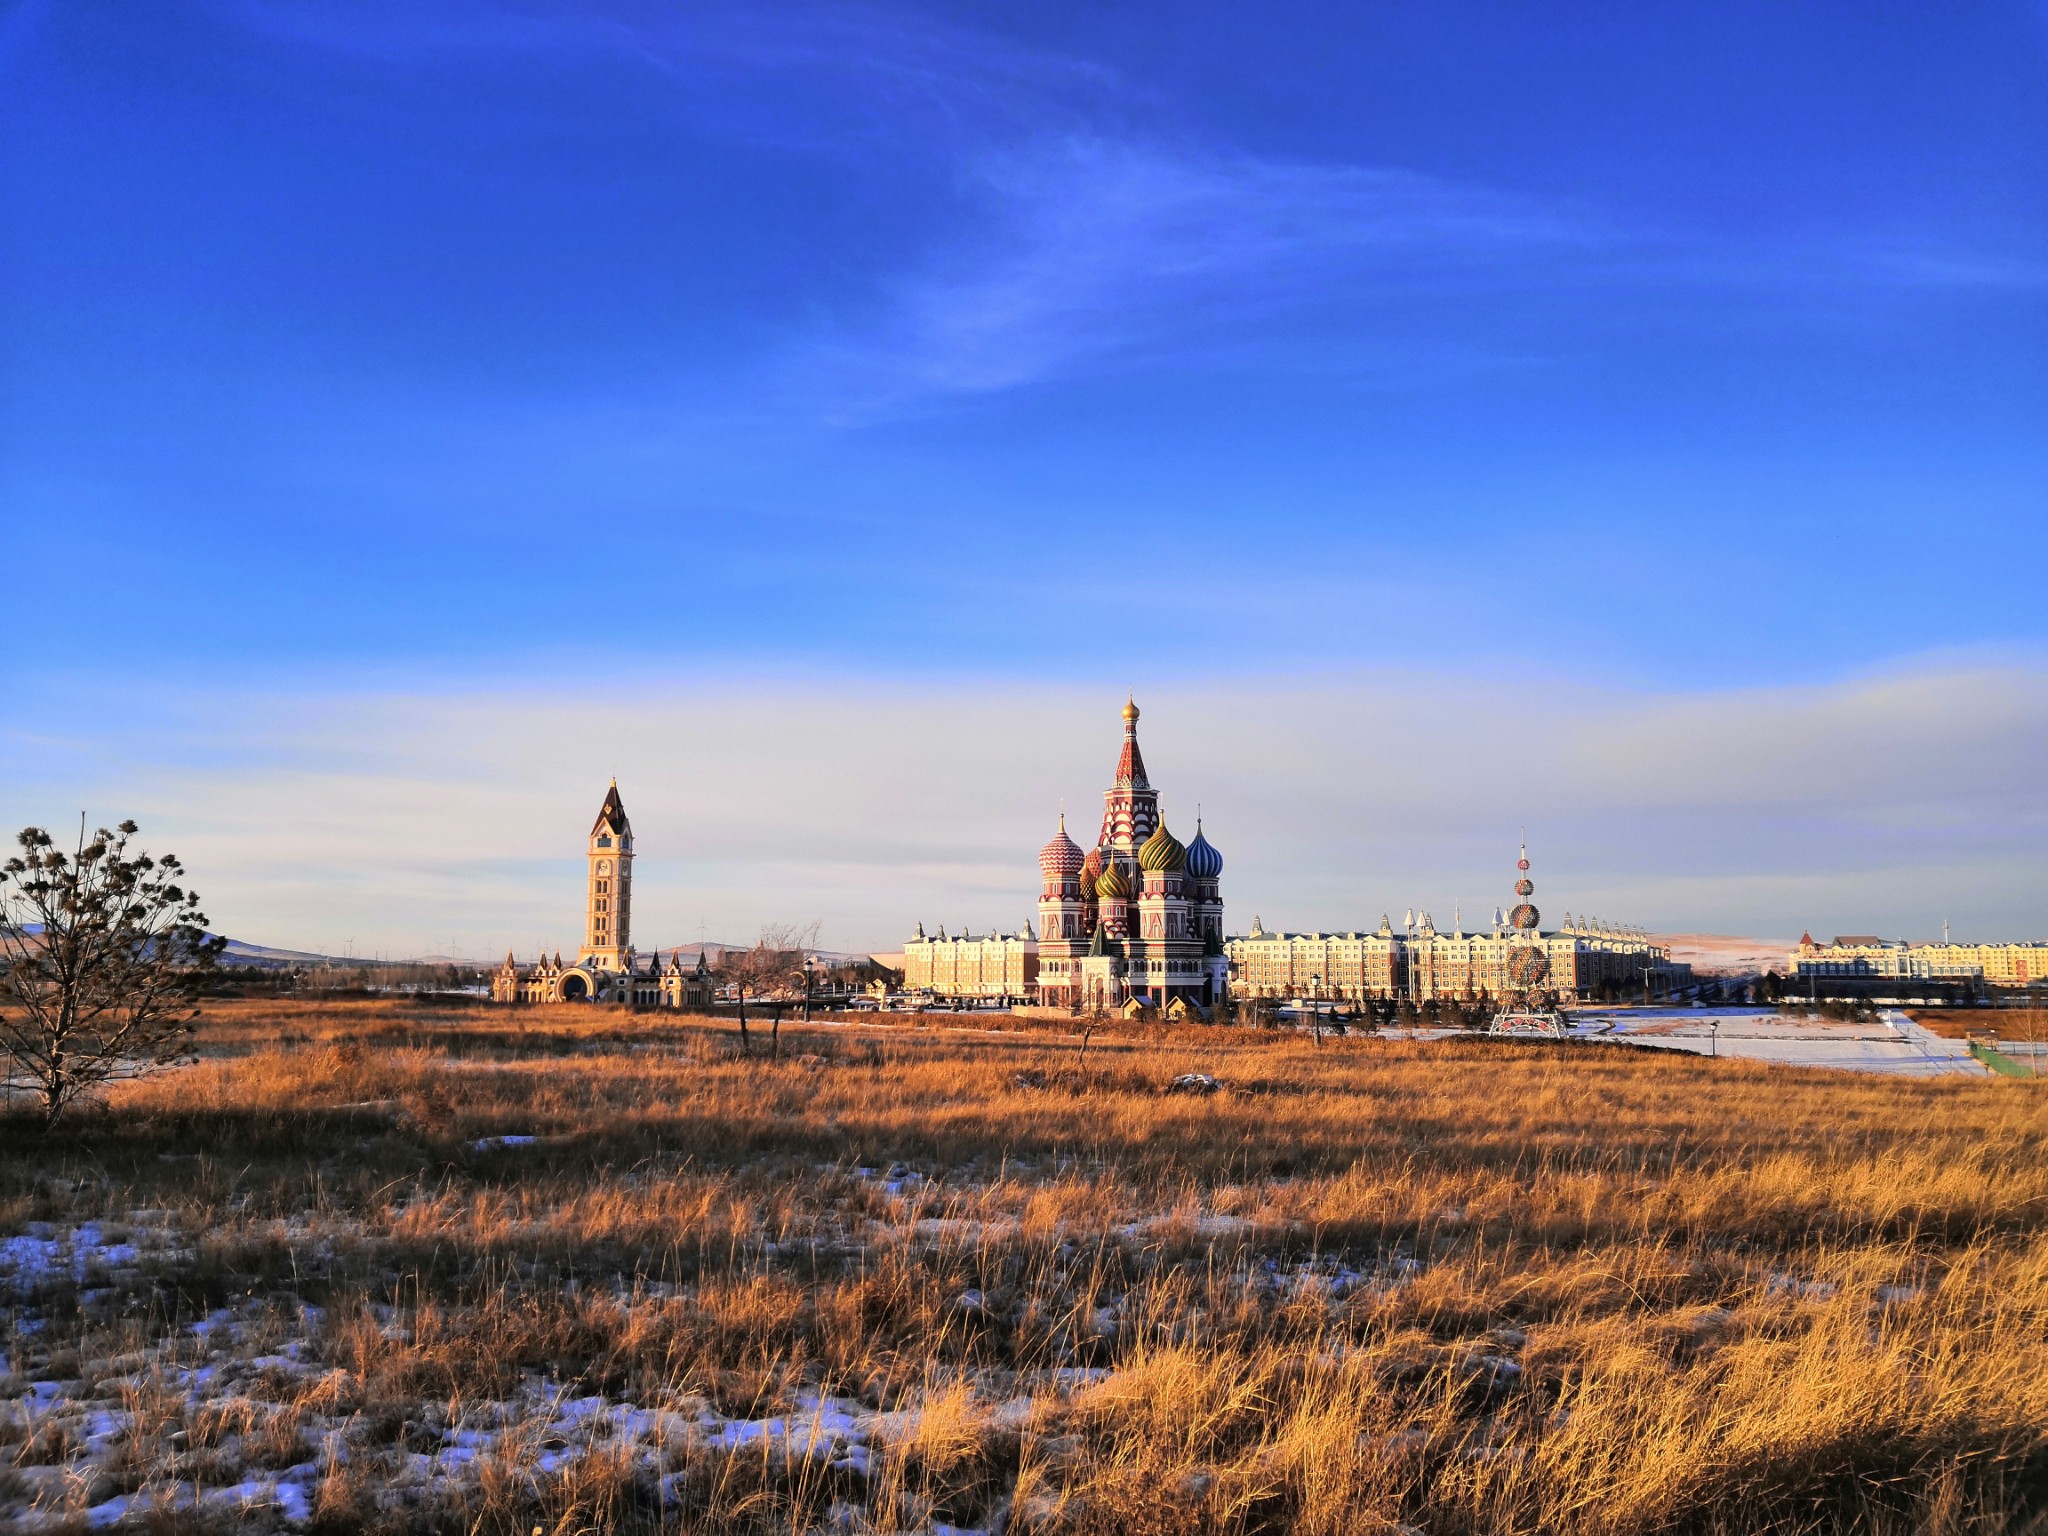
{"points": [[606, 969], [1864, 956], [1515, 957], [1137, 921], [991, 965], [1334, 965]]}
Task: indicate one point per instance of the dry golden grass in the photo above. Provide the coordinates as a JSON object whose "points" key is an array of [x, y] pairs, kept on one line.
{"points": [[1458, 1287]]}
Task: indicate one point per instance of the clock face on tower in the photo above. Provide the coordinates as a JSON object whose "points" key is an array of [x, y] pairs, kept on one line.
{"points": [[604, 866]]}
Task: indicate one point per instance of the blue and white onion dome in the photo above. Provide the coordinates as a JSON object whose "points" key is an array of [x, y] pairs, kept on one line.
{"points": [[1060, 859], [1204, 862]]}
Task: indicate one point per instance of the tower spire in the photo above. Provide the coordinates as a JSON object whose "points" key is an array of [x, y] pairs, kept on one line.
{"points": [[1130, 765]]}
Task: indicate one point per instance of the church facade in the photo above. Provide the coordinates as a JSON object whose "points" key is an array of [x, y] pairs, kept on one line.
{"points": [[1137, 920], [606, 968]]}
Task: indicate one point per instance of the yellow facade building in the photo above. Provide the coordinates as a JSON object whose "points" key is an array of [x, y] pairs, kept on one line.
{"points": [[1578, 960], [1868, 957], [993, 965]]}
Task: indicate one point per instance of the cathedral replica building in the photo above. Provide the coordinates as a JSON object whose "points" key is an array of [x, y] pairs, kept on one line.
{"points": [[1137, 921], [606, 969]]}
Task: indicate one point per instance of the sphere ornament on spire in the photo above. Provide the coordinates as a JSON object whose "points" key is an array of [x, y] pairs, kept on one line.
{"points": [[1524, 917]]}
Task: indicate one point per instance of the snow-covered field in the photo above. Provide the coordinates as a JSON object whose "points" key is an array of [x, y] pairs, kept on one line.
{"points": [[1895, 1045]]}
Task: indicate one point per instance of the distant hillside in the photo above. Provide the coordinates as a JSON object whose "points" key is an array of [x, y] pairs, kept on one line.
{"points": [[266, 957], [1721, 954]]}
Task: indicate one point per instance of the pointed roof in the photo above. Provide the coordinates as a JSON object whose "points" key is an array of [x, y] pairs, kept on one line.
{"points": [[611, 816], [1130, 764]]}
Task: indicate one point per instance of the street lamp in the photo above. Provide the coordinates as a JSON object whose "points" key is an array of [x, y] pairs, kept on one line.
{"points": [[810, 974]]}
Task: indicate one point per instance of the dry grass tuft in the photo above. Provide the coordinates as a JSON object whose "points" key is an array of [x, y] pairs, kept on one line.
{"points": [[908, 1276]]}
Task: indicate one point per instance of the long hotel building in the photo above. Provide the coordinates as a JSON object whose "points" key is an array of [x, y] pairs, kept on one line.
{"points": [[1867, 957], [1581, 960]]}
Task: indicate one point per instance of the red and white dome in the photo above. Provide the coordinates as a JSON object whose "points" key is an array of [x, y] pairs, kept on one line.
{"points": [[1060, 859]]}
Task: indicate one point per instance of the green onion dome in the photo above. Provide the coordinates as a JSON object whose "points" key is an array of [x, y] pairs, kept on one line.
{"points": [[1112, 884], [1163, 853]]}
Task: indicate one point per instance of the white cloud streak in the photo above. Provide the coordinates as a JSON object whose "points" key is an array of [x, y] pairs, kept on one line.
{"points": [[406, 822], [1091, 246]]}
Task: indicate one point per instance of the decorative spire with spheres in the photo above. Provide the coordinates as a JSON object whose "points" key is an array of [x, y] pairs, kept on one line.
{"points": [[1524, 916]]}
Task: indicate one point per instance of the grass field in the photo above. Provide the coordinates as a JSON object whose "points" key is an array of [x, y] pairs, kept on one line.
{"points": [[910, 1279], [1988, 1023]]}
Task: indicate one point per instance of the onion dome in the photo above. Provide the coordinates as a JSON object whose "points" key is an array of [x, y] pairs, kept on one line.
{"points": [[1163, 853], [1091, 871], [1112, 884], [1204, 862], [1060, 859]]}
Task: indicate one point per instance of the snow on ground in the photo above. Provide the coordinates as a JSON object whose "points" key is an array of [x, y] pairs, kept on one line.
{"points": [[242, 1364], [1894, 1045]]}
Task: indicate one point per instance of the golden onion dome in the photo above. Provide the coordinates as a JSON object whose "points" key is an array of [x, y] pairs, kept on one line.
{"points": [[1112, 884], [1163, 853]]}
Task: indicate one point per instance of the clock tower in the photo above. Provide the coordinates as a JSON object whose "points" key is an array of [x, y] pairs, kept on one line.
{"points": [[608, 904]]}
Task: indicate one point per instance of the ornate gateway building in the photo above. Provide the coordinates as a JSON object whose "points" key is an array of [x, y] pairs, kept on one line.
{"points": [[606, 969], [1138, 919]]}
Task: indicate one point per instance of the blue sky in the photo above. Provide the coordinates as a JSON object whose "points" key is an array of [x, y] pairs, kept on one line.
{"points": [[569, 366]]}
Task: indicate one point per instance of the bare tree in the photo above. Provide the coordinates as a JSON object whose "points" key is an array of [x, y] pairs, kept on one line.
{"points": [[771, 970], [102, 954]]}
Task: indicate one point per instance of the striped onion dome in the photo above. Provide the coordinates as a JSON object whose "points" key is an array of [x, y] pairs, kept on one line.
{"points": [[1204, 862], [1163, 853], [1112, 884], [1060, 859], [1091, 871]]}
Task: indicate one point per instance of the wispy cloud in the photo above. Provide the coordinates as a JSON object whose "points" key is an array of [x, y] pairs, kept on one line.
{"points": [[1088, 246], [1078, 224]]}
